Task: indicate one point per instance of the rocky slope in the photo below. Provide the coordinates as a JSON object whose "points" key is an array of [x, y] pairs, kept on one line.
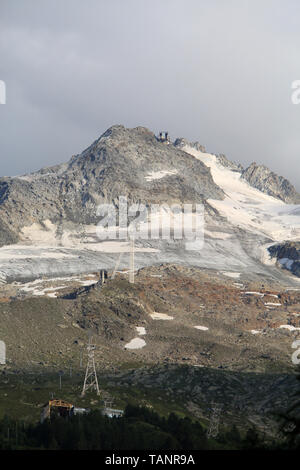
{"points": [[187, 316], [244, 399]]}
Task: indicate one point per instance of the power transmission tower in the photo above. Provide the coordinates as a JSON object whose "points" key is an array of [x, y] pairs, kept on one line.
{"points": [[131, 264], [90, 380], [213, 429]]}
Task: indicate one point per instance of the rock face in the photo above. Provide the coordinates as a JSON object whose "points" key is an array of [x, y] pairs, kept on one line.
{"points": [[265, 180], [122, 162], [229, 164], [288, 255], [181, 142]]}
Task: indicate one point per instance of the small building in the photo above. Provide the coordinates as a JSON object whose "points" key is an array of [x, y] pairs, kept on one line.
{"points": [[56, 407], [112, 413], [163, 137], [80, 411], [61, 408]]}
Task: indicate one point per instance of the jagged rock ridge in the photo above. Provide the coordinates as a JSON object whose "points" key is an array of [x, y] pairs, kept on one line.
{"points": [[260, 177]]}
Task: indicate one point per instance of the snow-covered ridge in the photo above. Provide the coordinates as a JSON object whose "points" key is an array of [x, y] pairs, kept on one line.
{"points": [[135, 343], [157, 175], [160, 316], [247, 207]]}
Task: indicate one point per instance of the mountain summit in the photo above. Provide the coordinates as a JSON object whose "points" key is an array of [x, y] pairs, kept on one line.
{"points": [[126, 162], [51, 214]]}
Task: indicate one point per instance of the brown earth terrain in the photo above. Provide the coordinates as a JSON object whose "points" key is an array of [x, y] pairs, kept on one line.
{"points": [[240, 322]]}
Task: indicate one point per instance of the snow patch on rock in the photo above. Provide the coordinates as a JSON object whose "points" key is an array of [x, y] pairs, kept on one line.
{"points": [[141, 330], [289, 327], [160, 316], [233, 275], [135, 343], [157, 175]]}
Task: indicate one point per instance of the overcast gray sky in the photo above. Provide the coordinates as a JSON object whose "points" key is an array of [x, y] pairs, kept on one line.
{"points": [[216, 71]]}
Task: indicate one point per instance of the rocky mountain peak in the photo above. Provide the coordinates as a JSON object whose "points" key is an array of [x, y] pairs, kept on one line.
{"points": [[121, 162], [260, 177]]}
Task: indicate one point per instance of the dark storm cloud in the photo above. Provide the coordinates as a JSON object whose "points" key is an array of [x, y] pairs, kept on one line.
{"points": [[215, 71]]}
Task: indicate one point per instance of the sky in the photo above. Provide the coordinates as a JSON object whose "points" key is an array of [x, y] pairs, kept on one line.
{"points": [[215, 71]]}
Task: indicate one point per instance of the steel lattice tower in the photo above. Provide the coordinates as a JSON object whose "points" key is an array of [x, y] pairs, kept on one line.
{"points": [[90, 380], [213, 429]]}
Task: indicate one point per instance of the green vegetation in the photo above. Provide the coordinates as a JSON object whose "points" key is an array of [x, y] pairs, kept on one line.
{"points": [[291, 421], [139, 429], [155, 418], [23, 395]]}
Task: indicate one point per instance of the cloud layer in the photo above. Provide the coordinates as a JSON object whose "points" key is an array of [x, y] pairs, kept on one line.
{"points": [[216, 71]]}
